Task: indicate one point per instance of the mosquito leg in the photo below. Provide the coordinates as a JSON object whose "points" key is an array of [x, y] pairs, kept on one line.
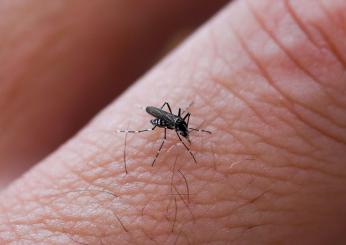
{"points": [[200, 130], [158, 152], [136, 131], [133, 132], [188, 118], [187, 148], [168, 106], [125, 164]]}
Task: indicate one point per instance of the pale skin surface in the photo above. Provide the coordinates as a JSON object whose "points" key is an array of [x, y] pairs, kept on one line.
{"points": [[268, 79], [68, 59]]}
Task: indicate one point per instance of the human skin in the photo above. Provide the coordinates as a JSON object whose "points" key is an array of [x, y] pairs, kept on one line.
{"points": [[268, 79], [63, 61]]}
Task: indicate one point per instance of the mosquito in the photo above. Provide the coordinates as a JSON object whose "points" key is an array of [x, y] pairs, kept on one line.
{"points": [[167, 120]]}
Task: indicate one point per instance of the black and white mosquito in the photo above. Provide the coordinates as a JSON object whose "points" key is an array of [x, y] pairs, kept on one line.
{"points": [[167, 120]]}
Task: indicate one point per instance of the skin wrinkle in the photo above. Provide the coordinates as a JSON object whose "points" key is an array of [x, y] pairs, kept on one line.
{"points": [[257, 174], [247, 229], [316, 148], [338, 55], [267, 140], [252, 132], [205, 105], [101, 173], [240, 97], [227, 85], [74, 229], [43, 218], [312, 167], [304, 30], [52, 228], [250, 152], [290, 102], [297, 64], [272, 82], [307, 32], [289, 178], [330, 16], [100, 164], [331, 45], [261, 222], [296, 131], [179, 235], [84, 234], [244, 203], [327, 41], [235, 190], [219, 113], [339, 16], [299, 23], [86, 182]]}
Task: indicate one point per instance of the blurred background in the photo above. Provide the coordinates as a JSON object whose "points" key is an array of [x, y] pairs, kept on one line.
{"points": [[62, 61]]}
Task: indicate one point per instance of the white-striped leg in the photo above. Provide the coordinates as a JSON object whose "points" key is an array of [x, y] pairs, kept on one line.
{"points": [[187, 148], [158, 152], [200, 130], [125, 163], [136, 131]]}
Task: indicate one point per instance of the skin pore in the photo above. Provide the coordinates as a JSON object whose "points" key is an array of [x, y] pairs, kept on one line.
{"points": [[268, 79]]}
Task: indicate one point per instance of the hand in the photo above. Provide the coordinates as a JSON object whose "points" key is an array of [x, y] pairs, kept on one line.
{"points": [[266, 77]]}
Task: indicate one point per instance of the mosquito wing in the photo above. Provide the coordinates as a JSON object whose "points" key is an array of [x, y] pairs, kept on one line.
{"points": [[161, 114]]}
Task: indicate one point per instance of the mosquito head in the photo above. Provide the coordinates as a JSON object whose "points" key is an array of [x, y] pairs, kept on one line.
{"points": [[182, 128]]}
